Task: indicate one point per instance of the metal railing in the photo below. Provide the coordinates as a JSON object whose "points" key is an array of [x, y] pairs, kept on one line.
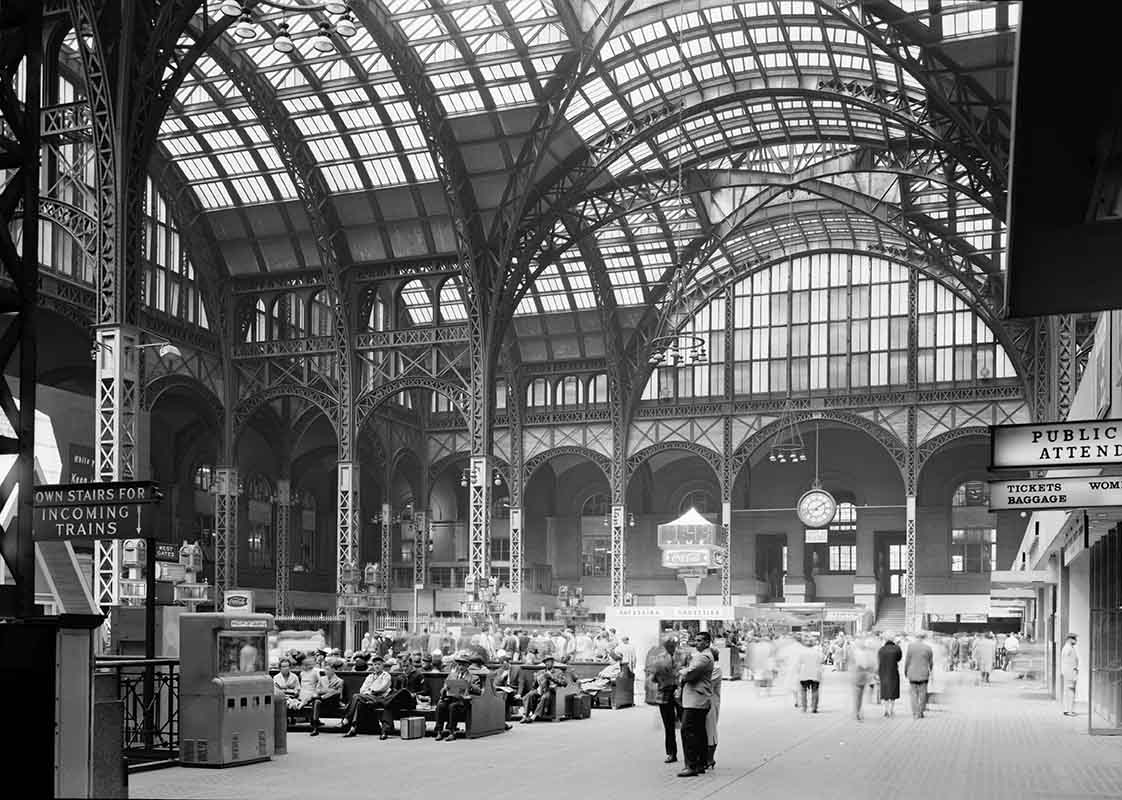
{"points": [[149, 691]]}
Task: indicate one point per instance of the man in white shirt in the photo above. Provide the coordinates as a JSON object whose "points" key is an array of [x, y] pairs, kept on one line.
{"points": [[1069, 671], [626, 652], [371, 698]]}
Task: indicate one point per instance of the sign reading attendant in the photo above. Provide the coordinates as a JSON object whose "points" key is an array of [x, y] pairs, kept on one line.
{"points": [[1055, 493], [1057, 444], [96, 510]]}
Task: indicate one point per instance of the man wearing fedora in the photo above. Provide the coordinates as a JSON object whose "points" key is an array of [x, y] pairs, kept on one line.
{"points": [[452, 707], [544, 693], [371, 699]]}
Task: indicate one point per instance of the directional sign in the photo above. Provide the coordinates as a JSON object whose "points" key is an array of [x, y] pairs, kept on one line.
{"points": [[96, 510], [1055, 493], [166, 551]]}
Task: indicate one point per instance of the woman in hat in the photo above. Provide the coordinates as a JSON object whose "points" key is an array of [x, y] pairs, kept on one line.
{"points": [[888, 673], [287, 683]]}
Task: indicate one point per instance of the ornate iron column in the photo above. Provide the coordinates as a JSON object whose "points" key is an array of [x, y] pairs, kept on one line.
{"points": [[116, 409], [727, 476], [420, 547], [911, 458], [516, 555], [479, 500], [225, 533], [347, 522], [385, 576], [726, 565], [283, 531], [619, 555]]}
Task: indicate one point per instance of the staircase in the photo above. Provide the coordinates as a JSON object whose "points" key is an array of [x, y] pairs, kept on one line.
{"points": [[59, 572], [890, 614]]}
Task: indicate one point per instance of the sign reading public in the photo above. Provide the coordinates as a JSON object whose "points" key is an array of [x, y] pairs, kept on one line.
{"points": [[96, 510], [1055, 493], [1056, 444]]}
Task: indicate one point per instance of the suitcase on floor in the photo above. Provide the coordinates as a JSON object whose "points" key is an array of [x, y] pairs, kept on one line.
{"points": [[578, 706], [412, 727]]}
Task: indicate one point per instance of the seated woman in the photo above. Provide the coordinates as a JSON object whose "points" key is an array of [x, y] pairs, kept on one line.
{"points": [[309, 680], [329, 697], [288, 683], [603, 678], [459, 686]]}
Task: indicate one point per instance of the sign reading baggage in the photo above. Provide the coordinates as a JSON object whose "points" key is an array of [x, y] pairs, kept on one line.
{"points": [[1056, 444], [1055, 493]]}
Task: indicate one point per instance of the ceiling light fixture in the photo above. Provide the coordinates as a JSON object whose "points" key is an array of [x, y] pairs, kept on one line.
{"points": [[340, 22]]}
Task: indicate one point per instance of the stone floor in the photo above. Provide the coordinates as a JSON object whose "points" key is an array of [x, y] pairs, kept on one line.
{"points": [[1004, 740]]}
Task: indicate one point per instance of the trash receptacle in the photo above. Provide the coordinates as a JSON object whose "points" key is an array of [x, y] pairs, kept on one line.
{"points": [[280, 724]]}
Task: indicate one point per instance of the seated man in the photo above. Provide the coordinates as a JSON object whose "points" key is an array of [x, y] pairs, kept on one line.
{"points": [[288, 683], [540, 700], [408, 688], [371, 699], [603, 679], [329, 697], [458, 688]]}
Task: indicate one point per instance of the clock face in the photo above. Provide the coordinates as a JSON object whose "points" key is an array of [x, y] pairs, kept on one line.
{"points": [[816, 508]]}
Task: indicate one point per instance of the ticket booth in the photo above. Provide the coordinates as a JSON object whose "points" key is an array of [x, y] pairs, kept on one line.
{"points": [[225, 692]]}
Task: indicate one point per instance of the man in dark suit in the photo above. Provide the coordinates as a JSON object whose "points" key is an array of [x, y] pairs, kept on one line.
{"points": [[919, 660]]}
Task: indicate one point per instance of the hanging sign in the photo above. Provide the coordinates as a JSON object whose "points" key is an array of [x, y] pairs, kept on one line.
{"points": [[166, 551], [1056, 444], [96, 510], [687, 557], [817, 535], [1055, 493]]}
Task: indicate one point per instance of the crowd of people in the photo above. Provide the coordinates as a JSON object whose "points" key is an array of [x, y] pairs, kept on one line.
{"points": [[397, 665]]}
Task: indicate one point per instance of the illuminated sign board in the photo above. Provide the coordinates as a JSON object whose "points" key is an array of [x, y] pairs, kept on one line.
{"points": [[96, 510], [817, 535], [687, 557], [1055, 493], [1056, 444]]}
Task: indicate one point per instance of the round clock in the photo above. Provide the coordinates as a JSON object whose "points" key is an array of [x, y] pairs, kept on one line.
{"points": [[816, 508]]}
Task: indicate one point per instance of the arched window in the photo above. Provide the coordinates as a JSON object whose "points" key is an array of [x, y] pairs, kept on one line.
{"points": [[569, 391], [322, 313], [259, 328], [537, 393], [416, 305], [700, 500], [972, 493], [598, 389], [596, 539], [277, 321], [452, 308], [203, 477], [259, 490], [439, 404], [379, 314], [306, 513], [500, 394]]}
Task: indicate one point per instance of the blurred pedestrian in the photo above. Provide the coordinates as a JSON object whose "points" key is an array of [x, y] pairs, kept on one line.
{"points": [[662, 684], [888, 670], [984, 653], [1069, 670], [918, 664], [864, 662], [809, 666]]}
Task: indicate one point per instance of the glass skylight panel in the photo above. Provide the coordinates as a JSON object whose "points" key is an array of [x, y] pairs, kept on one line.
{"points": [[452, 307], [342, 177]]}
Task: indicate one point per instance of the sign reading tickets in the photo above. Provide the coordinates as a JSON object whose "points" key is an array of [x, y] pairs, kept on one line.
{"points": [[1056, 444], [1055, 493], [96, 510]]}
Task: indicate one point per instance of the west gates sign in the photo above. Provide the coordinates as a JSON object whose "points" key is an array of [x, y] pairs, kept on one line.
{"points": [[96, 510]]}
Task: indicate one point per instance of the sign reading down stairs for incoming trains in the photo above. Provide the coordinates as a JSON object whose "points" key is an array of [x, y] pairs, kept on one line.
{"points": [[96, 510], [1056, 493], [1056, 444]]}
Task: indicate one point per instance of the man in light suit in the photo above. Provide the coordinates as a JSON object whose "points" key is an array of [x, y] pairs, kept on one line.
{"points": [[918, 663]]}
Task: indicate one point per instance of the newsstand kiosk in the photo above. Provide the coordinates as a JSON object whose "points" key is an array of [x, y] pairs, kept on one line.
{"points": [[225, 692]]}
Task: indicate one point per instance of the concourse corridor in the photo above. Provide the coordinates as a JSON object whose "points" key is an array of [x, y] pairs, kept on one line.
{"points": [[1005, 740]]}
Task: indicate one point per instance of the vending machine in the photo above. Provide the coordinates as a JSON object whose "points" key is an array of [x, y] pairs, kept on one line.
{"points": [[225, 692]]}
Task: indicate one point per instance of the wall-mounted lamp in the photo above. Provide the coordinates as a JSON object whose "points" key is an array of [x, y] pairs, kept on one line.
{"points": [[497, 477], [166, 349], [630, 520]]}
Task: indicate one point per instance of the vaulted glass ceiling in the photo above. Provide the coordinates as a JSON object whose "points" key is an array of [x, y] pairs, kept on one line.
{"points": [[756, 130]]}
